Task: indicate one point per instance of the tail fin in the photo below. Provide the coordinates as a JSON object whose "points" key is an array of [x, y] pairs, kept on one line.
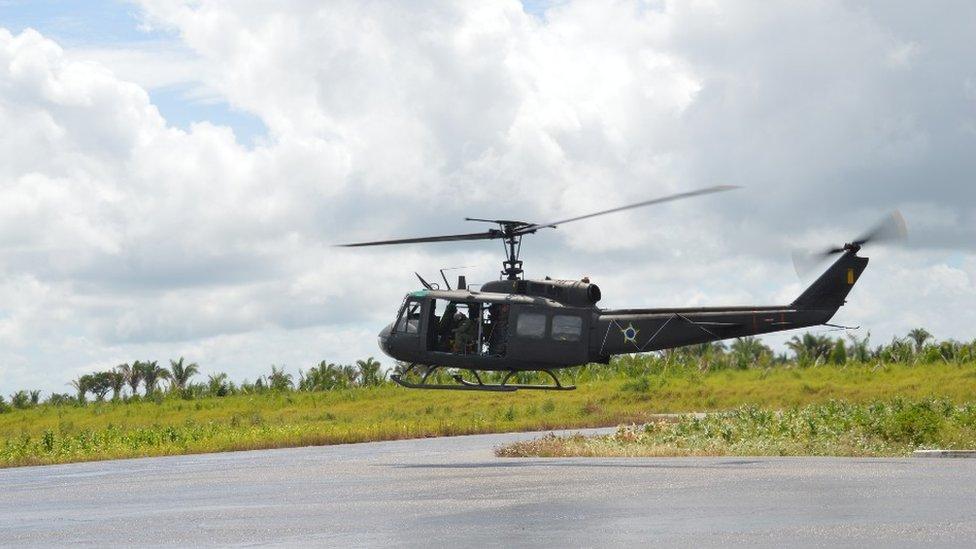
{"points": [[830, 291]]}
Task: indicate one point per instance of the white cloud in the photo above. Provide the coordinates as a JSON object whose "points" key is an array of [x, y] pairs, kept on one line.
{"points": [[123, 237], [151, 64]]}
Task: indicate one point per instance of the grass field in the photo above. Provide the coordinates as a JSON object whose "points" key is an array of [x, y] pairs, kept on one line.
{"points": [[106, 430]]}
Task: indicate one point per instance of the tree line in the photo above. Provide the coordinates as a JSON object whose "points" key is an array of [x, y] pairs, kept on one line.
{"points": [[141, 380], [810, 349]]}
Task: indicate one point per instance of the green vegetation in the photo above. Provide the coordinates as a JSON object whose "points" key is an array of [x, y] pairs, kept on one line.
{"points": [[144, 409], [894, 427]]}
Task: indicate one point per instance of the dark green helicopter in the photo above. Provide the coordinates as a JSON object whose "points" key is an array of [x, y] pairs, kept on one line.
{"points": [[514, 325]]}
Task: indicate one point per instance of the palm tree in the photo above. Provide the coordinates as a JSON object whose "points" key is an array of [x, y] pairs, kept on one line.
{"points": [[899, 350], [919, 336], [706, 349], [181, 373], [20, 399], [279, 380], [116, 381], [704, 354], [858, 348], [810, 347], [795, 344], [151, 373], [369, 372], [217, 384], [839, 354], [349, 374], [748, 350], [59, 399], [323, 377], [101, 384], [131, 375], [83, 384]]}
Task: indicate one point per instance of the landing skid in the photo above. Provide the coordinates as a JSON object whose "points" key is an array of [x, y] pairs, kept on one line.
{"points": [[462, 384]]}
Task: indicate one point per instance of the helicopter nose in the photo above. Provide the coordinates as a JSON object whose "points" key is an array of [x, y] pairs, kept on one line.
{"points": [[384, 338]]}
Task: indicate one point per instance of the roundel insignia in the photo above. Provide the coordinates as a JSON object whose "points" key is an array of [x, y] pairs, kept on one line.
{"points": [[630, 333]]}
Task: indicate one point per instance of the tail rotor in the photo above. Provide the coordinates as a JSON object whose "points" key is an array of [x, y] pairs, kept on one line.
{"points": [[891, 228]]}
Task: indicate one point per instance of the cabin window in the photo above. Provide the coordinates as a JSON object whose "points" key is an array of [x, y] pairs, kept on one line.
{"points": [[531, 325], [409, 321], [567, 327]]}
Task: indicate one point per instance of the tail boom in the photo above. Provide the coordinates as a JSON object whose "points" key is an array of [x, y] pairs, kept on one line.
{"points": [[643, 330]]}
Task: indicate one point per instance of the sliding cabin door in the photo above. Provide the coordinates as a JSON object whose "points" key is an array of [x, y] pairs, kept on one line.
{"points": [[549, 336]]}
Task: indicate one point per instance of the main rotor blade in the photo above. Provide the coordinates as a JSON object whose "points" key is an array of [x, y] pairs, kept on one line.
{"points": [[444, 238], [498, 221], [669, 198]]}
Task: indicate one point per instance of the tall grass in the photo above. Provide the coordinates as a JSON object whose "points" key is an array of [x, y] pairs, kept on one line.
{"points": [[892, 427]]}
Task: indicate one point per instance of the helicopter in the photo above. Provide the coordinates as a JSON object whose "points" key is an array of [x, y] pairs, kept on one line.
{"points": [[514, 325]]}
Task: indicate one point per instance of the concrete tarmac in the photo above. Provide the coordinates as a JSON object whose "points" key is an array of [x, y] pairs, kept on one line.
{"points": [[454, 492]]}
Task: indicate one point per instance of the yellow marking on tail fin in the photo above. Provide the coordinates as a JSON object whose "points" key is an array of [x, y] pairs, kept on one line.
{"points": [[850, 276]]}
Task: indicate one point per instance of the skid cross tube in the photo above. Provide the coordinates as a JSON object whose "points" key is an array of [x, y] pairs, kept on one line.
{"points": [[557, 387], [399, 379]]}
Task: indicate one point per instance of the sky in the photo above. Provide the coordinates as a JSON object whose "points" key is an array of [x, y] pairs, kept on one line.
{"points": [[174, 175]]}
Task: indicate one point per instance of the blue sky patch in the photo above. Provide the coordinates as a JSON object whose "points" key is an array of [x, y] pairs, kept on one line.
{"points": [[180, 109], [108, 23]]}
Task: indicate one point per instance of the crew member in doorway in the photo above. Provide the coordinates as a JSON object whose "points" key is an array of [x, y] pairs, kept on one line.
{"points": [[499, 329]]}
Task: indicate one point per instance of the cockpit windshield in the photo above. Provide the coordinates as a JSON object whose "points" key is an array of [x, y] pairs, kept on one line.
{"points": [[409, 321]]}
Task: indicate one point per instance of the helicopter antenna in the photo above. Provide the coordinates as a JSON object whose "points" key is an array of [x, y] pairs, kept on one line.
{"points": [[448, 284], [426, 284], [511, 232]]}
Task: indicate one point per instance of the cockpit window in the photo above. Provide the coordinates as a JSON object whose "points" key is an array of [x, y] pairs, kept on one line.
{"points": [[409, 321]]}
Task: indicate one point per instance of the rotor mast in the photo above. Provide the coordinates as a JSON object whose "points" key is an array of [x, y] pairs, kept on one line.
{"points": [[510, 233], [513, 247]]}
